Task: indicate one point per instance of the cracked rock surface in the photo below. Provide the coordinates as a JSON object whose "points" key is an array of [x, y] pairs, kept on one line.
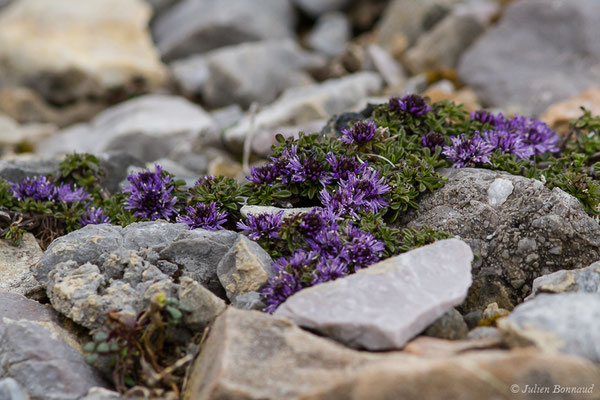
{"points": [[516, 237], [100, 268]]}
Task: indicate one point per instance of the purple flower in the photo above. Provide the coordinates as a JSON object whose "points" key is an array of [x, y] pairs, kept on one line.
{"points": [[411, 103], [204, 217], [327, 242], [508, 143], [328, 270], [65, 193], [94, 216], [262, 225], [360, 192], [344, 166], [486, 117], [150, 195], [361, 248], [38, 188], [534, 133], [288, 278], [361, 133], [433, 140], [267, 173], [315, 221], [465, 151], [307, 169]]}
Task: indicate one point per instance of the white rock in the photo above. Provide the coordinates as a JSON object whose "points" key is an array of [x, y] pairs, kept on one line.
{"points": [[499, 191], [68, 50], [149, 127], [287, 212], [385, 305], [16, 265]]}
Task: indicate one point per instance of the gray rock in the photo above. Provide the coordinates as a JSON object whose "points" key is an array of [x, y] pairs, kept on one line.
{"points": [[535, 231], [16, 264], [160, 5], [203, 306], [250, 301], [287, 212], [472, 318], [451, 326], [484, 332], [100, 268], [330, 34], [227, 116], [582, 280], [244, 269], [246, 73], [565, 322], [442, 47], [113, 53], [10, 389], [197, 26], [13, 134], [252, 355], [304, 104], [391, 71], [18, 168], [115, 164], [317, 7], [148, 127], [540, 53], [39, 354], [404, 21], [385, 305]]}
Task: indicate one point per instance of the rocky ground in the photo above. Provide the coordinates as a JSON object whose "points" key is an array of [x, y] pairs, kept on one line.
{"points": [[508, 307]]}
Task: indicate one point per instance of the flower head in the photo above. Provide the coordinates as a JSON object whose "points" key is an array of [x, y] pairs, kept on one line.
{"points": [[38, 188], [361, 249], [262, 225], [361, 133], [328, 270], [465, 151], [307, 170], [508, 143], [315, 221], [344, 166], [486, 117], [267, 173], [150, 195], [288, 278], [66, 193], [327, 242], [411, 103], [534, 133], [433, 140], [94, 216], [204, 217]]}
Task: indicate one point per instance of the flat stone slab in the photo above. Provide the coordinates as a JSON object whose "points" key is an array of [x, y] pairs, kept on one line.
{"points": [[385, 305], [566, 322]]}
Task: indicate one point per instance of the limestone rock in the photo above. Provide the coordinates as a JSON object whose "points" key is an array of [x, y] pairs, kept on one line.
{"points": [[252, 355], [404, 21], [330, 34], [17, 168], [149, 127], [69, 51], [566, 322], [287, 212], [533, 57], [318, 7], [197, 26], [559, 115], [10, 389], [13, 134], [383, 306], [16, 265], [245, 268], [100, 268], [203, 306], [582, 280], [44, 359], [246, 73], [534, 231], [303, 104], [451, 326]]}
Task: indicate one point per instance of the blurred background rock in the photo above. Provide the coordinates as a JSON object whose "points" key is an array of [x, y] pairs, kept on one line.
{"points": [[187, 81]]}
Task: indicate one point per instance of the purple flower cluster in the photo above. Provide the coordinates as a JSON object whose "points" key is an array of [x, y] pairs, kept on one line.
{"points": [[362, 132], [203, 216], [359, 192], [262, 225], [332, 253], [411, 103], [468, 152], [40, 188], [94, 216], [276, 167], [433, 140], [150, 195]]}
